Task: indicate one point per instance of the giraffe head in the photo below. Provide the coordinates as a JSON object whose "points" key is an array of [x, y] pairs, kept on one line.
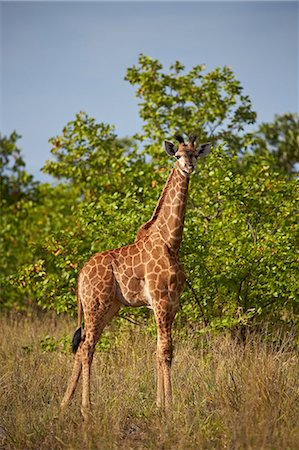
{"points": [[186, 153]]}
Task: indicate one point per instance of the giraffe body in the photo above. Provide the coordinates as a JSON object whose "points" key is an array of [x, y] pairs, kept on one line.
{"points": [[145, 273]]}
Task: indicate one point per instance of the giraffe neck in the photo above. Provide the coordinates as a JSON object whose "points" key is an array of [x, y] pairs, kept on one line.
{"points": [[169, 214]]}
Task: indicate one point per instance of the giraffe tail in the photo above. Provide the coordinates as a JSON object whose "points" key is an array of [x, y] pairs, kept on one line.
{"points": [[77, 338], [78, 335]]}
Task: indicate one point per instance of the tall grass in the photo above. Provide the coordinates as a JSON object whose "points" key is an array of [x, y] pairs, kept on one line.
{"points": [[226, 395]]}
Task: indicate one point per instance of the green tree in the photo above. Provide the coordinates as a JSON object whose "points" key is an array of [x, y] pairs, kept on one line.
{"points": [[210, 104], [281, 139], [30, 212], [239, 241], [106, 177], [239, 247], [15, 182]]}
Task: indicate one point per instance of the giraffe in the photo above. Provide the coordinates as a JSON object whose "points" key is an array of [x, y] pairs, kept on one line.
{"points": [[145, 273]]}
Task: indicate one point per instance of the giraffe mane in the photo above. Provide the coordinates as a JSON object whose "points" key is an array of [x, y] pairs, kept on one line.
{"points": [[158, 208]]}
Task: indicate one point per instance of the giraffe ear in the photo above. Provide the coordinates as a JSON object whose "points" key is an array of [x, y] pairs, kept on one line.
{"points": [[203, 149], [170, 148]]}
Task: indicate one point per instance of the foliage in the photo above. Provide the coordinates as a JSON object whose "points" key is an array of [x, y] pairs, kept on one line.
{"points": [[86, 152], [239, 246], [114, 192], [24, 225], [30, 212], [15, 182], [17, 192], [210, 104], [281, 139], [49, 343]]}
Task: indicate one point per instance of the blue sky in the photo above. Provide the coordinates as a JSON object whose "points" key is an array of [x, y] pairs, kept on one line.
{"points": [[58, 58]]}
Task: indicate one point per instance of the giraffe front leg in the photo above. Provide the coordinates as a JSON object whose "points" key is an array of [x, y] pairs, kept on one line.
{"points": [[160, 382], [164, 358]]}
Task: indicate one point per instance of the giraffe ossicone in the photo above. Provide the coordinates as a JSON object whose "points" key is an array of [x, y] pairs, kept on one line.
{"points": [[145, 273]]}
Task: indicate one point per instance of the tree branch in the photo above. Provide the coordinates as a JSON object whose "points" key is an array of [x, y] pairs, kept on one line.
{"points": [[213, 216], [205, 321], [252, 231]]}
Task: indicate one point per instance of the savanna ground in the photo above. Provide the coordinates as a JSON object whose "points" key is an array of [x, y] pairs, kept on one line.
{"points": [[227, 395]]}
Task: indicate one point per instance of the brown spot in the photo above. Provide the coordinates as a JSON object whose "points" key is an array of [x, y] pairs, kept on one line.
{"points": [[124, 251], [150, 266], [133, 250], [129, 272], [157, 269], [162, 262], [136, 260], [152, 277], [134, 284], [121, 259], [138, 270], [156, 253], [145, 256], [106, 260]]}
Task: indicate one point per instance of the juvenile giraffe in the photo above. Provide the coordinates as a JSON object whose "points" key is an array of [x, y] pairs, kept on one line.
{"points": [[145, 273]]}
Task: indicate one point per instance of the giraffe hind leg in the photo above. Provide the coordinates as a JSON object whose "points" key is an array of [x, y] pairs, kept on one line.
{"points": [[73, 381], [160, 385], [92, 333]]}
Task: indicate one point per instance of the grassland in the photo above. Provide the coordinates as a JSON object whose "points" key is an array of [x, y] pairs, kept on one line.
{"points": [[226, 395]]}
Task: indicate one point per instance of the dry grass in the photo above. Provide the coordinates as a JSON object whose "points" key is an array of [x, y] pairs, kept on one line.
{"points": [[227, 396]]}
